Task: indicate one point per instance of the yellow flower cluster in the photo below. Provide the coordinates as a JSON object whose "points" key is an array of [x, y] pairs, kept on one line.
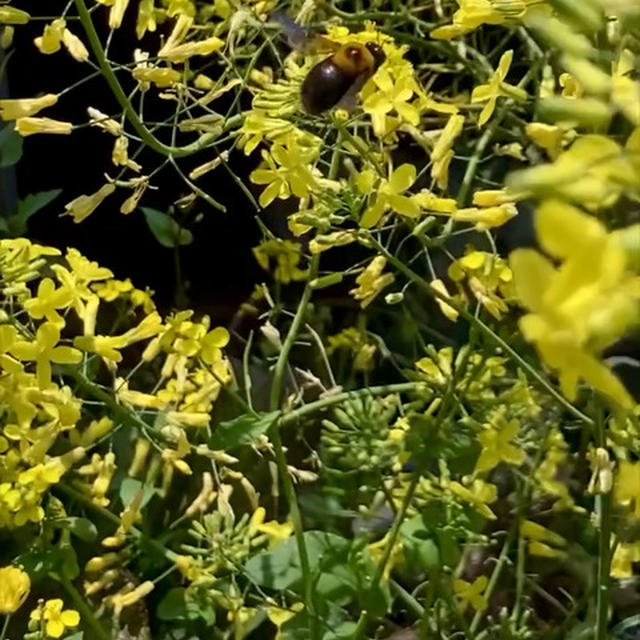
{"points": [[39, 317]]}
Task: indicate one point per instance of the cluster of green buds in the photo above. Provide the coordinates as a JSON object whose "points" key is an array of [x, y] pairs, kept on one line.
{"points": [[222, 544], [357, 439]]}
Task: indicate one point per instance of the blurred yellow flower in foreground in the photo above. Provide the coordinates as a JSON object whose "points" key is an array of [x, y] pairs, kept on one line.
{"points": [[14, 589], [580, 306]]}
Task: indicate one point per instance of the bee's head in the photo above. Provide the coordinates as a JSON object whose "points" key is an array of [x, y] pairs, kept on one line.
{"points": [[376, 51]]}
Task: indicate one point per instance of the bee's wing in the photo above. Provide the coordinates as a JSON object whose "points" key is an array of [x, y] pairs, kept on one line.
{"points": [[302, 39], [349, 100]]}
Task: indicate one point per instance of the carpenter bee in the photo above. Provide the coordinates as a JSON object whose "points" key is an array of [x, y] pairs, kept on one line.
{"points": [[336, 80]]}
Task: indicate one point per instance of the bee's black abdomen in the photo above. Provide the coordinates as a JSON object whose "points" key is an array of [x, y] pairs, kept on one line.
{"points": [[323, 87]]}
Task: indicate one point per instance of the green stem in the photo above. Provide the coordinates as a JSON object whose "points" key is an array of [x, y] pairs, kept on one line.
{"points": [[603, 510], [147, 137], [482, 327], [5, 626], [281, 460], [86, 614]]}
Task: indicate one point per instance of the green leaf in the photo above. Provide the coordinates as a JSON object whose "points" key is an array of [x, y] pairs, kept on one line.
{"points": [[241, 430], [165, 229], [10, 146], [129, 489], [53, 562], [82, 528], [178, 605], [34, 202]]}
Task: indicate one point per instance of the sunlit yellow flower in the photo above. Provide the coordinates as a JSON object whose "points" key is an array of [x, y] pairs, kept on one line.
{"points": [[29, 126], [389, 195], [275, 531], [471, 592], [56, 620], [625, 93], [372, 281], [182, 52], [14, 589], [488, 217], [11, 15], [497, 447], [392, 95], [447, 310], [580, 306], [470, 15], [288, 171], [103, 469], [44, 351], [495, 88], [83, 206], [47, 301], [24, 107], [377, 550]]}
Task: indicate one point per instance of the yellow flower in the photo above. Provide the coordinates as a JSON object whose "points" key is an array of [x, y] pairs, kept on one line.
{"points": [[625, 93], [83, 206], [377, 550], [470, 15], [47, 301], [488, 217], [118, 7], [50, 41], [571, 88], [471, 593], [44, 351], [542, 541], [372, 281], [14, 589], [121, 600], [275, 531], [11, 15], [160, 76], [478, 496], [146, 18], [29, 126], [120, 156], [213, 343], [624, 557], [389, 196], [287, 256], [181, 52], [495, 88], [582, 305], [447, 310], [442, 153], [595, 171], [497, 447], [392, 95], [75, 46], [627, 486], [280, 615], [55, 619], [288, 170], [24, 107]]}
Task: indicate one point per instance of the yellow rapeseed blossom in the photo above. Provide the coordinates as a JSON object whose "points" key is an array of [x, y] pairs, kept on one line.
{"points": [[580, 306], [54, 619], [14, 589], [282, 257], [495, 88], [372, 281], [28, 126], [496, 445], [542, 541], [25, 107], [471, 593], [83, 206], [11, 15]]}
